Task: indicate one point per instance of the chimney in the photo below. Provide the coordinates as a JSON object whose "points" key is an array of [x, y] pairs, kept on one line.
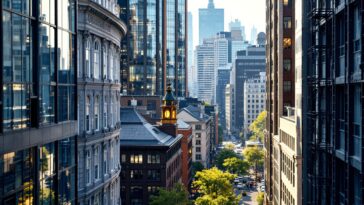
{"points": [[170, 129]]}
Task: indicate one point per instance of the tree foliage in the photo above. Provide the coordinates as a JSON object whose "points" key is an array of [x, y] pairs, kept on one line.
{"points": [[236, 166], [224, 154], [177, 196], [215, 188], [260, 198], [258, 126], [229, 146], [254, 156], [196, 167]]}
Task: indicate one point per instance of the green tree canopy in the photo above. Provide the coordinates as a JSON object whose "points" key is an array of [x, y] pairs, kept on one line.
{"points": [[258, 126], [236, 166], [260, 198], [177, 196], [215, 188], [196, 167], [254, 156], [224, 154]]}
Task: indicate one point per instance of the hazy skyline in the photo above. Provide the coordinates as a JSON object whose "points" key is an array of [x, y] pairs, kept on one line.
{"points": [[249, 12]]}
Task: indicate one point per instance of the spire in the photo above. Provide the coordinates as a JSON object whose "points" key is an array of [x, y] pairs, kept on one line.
{"points": [[211, 4]]}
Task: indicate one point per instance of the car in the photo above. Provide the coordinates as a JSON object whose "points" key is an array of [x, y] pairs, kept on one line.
{"points": [[262, 188], [239, 186], [236, 181]]}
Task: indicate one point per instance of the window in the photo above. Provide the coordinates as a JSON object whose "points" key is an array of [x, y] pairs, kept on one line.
{"points": [[105, 112], [154, 175], [88, 59], [104, 62], [97, 162], [112, 150], [123, 158], [287, 43], [88, 107], [136, 174], [287, 64], [97, 113], [287, 86], [154, 159], [198, 157], [198, 149], [198, 135], [287, 2], [97, 60], [111, 65], [357, 40], [88, 167], [357, 123], [198, 142], [287, 22], [136, 159], [197, 127], [105, 159]]}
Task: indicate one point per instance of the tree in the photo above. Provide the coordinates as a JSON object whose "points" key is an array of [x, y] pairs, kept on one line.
{"points": [[224, 154], [260, 198], [215, 188], [177, 196], [258, 126], [196, 167], [255, 157], [229, 146], [236, 166]]}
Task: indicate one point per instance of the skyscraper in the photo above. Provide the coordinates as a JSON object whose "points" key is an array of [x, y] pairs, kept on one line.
{"points": [[190, 58], [98, 102], [333, 135], [223, 78], [248, 64], [156, 45], [253, 36], [38, 123], [211, 21]]}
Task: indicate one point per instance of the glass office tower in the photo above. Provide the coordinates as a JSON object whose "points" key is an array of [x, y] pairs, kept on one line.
{"points": [[156, 47], [37, 106]]}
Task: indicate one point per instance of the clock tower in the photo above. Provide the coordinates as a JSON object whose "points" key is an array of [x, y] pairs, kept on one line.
{"points": [[169, 110]]}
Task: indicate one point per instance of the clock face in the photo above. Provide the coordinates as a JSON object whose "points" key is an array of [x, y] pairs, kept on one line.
{"points": [[167, 113]]}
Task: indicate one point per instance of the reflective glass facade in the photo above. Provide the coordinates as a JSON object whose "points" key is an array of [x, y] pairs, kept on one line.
{"points": [[37, 62], [156, 47], [37, 123]]}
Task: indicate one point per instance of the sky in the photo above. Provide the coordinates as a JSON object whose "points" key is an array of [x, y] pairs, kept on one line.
{"points": [[249, 12]]}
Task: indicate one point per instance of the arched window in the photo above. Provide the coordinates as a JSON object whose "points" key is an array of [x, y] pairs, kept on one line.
{"points": [[87, 59], [104, 65], [105, 112], [97, 113], [88, 108], [97, 60]]}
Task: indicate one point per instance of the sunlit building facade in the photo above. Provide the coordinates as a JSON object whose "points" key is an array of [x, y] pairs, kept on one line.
{"points": [[156, 47], [98, 101], [38, 124]]}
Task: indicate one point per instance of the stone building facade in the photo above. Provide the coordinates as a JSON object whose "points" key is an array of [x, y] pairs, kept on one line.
{"points": [[100, 32]]}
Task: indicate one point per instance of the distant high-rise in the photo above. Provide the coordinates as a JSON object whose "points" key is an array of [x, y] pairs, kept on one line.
{"points": [[156, 47], [223, 78], [237, 30], [248, 64], [211, 21], [253, 36], [213, 53], [190, 53]]}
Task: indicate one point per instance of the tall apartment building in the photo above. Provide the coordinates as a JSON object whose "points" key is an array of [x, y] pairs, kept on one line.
{"points": [[229, 108], [254, 100], [333, 137], [283, 160], [211, 21], [201, 133], [223, 78], [38, 123], [98, 101], [190, 49], [249, 63], [156, 47]]}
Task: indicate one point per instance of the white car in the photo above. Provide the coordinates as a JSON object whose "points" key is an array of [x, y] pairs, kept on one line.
{"points": [[262, 188], [240, 186]]}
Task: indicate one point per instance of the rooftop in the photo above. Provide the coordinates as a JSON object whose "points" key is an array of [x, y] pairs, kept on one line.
{"points": [[136, 131]]}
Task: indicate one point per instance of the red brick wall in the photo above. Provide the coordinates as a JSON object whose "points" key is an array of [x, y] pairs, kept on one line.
{"points": [[186, 156]]}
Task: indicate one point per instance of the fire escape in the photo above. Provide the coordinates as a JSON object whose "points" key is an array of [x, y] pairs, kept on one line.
{"points": [[317, 77]]}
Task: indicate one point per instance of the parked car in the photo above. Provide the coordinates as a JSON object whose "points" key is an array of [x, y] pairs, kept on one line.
{"points": [[240, 186]]}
